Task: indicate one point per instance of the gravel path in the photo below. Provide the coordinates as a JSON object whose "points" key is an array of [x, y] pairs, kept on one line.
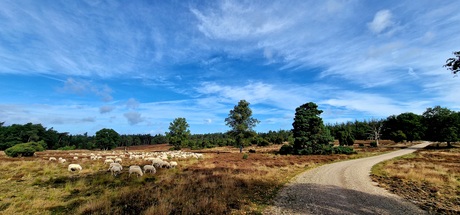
{"points": [[342, 188]]}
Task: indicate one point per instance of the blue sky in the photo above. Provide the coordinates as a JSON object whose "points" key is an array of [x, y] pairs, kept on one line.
{"points": [[134, 66]]}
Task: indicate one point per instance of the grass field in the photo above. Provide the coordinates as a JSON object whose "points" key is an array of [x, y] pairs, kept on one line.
{"points": [[429, 177], [223, 182]]}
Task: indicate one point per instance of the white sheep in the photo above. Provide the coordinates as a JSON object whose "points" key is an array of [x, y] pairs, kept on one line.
{"points": [[165, 164], [149, 168], [173, 164], [108, 161], [52, 159], [135, 169], [157, 162], [75, 158], [118, 160], [114, 164], [116, 169], [62, 160], [74, 167]]}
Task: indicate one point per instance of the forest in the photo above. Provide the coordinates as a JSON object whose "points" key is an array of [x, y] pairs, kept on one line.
{"points": [[438, 124]]}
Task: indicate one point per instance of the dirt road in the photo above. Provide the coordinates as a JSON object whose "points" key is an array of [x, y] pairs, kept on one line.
{"points": [[342, 188]]}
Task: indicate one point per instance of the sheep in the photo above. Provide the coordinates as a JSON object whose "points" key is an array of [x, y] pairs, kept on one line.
{"points": [[173, 164], [118, 160], [62, 160], [108, 161], [75, 158], [74, 167], [114, 164], [165, 164], [149, 168], [135, 169], [157, 162], [115, 169], [52, 159]]}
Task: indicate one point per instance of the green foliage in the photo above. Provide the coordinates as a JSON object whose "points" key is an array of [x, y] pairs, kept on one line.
{"points": [[67, 148], [373, 144], [107, 139], [343, 150], [453, 64], [398, 136], [286, 149], [310, 134], [442, 125], [25, 149], [241, 122], [178, 133], [408, 123], [259, 141], [346, 138], [245, 156]]}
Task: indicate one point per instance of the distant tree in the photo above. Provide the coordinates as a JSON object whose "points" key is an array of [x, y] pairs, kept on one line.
{"points": [[442, 125], [453, 64], [310, 134], [409, 124], [107, 139], [241, 121], [375, 130], [346, 138], [178, 133]]}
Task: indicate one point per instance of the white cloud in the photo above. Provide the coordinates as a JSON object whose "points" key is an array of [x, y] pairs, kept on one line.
{"points": [[133, 117], [83, 87], [383, 20], [132, 103], [106, 109]]}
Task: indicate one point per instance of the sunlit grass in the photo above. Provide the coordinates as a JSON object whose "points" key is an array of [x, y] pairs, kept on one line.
{"points": [[221, 183]]}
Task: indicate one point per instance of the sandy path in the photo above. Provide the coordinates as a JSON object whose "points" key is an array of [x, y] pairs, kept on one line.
{"points": [[342, 188]]}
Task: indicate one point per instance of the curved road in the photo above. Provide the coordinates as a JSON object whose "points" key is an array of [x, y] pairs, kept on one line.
{"points": [[343, 188]]}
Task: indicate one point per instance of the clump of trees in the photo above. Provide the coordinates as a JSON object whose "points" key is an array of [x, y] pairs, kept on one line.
{"points": [[311, 136], [25, 149]]}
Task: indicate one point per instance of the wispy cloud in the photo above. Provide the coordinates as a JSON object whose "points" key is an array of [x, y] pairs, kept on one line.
{"points": [[82, 87], [383, 20]]}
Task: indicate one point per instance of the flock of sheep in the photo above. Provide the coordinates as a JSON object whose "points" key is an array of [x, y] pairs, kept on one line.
{"points": [[114, 159]]}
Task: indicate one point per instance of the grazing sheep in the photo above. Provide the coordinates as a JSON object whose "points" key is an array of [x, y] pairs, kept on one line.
{"points": [[173, 164], [116, 169], [108, 161], [149, 168], [135, 169], [62, 160], [165, 164], [75, 158], [157, 162], [52, 159], [74, 167], [115, 164], [118, 160]]}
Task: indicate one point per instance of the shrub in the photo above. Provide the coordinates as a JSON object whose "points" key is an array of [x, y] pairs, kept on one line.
{"points": [[25, 149], [373, 144], [361, 145], [343, 150], [252, 151], [245, 156], [286, 149], [67, 148], [259, 141]]}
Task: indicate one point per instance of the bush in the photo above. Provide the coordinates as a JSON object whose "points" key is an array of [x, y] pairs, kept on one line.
{"points": [[252, 151], [286, 149], [245, 156], [25, 149], [343, 150], [67, 148], [373, 144]]}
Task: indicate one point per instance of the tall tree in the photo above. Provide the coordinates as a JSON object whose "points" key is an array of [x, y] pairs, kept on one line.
{"points": [[310, 134], [241, 121], [441, 125], [107, 139], [453, 64], [178, 133]]}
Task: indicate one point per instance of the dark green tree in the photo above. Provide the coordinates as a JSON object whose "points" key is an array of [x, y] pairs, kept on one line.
{"points": [[409, 124], [441, 125], [310, 134], [241, 121], [453, 64], [107, 139], [178, 133]]}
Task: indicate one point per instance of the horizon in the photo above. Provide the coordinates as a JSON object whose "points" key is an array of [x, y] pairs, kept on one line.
{"points": [[135, 66]]}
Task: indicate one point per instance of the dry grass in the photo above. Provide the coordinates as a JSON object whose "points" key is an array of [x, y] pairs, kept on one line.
{"points": [[221, 183], [429, 177]]}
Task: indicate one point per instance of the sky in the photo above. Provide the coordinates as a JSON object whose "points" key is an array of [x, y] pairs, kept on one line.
{"points": [[135, 66]]}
